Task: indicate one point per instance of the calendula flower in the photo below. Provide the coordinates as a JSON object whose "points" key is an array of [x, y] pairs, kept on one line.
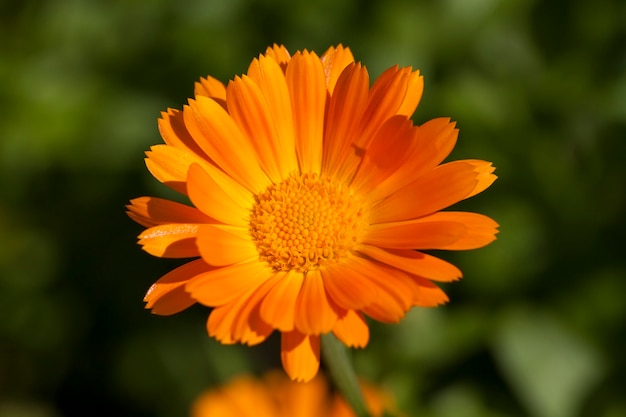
{"points": [[274, 395], [314, 196]]}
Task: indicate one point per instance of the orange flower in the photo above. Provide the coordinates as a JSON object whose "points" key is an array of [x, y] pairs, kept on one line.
{"points": [[277, 396], [313, 195]]}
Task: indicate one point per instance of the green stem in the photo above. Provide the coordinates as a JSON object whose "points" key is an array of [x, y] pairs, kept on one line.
{"points": [[335, 356]]}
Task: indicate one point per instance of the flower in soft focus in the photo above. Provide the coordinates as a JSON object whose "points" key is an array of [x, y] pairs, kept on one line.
{"points": [[276, 396], [313, 197]]}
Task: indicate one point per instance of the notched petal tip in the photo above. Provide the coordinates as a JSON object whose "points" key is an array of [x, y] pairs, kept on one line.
{"points": [[300, 355], [210, 87], [484, 176], [352, 330], [429, 294], [279, 53]]}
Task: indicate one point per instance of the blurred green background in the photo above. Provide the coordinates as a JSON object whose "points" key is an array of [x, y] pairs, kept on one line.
{"points": [[537, 326]]}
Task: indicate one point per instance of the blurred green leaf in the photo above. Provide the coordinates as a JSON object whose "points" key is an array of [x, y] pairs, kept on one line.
{"points": [[551, 369], [460, 400]]}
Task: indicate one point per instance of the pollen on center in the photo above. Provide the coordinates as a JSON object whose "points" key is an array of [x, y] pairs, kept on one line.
{"points": [[304, 222]]}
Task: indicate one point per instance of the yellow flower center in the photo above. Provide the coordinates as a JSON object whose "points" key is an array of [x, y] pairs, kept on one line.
{"points": [[304, 222]]}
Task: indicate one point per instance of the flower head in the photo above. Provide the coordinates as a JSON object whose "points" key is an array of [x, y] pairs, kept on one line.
{"points": [[276, 396], [313, 196]]}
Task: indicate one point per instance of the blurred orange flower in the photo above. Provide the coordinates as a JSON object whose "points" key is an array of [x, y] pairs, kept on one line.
{"points": [[313, 195], [276, 396]]}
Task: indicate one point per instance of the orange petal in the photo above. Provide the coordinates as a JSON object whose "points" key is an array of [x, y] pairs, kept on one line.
{"points": [[307, 88], [442, 230], [352, 329], [249, 328], [300, 355], [427, 147], [314, 313], [335, 60], [415, 234], [166, 296], [346, 287], [346, 104], [219, 197], [221, 245], [249, 109], [174, 133], [278, 53], [440, 188], [380, 311], [278, 306], [237, 321], [177, 240], [170, 165], [394, 289], [385, 98], [173, 302], [270, 78], [222, 285], [389, 150], [301, 400], [485, 175], [429, 295], [436, 139], [415, 88], [153, 211], [413, 262], [211, 87], [220, 323], [480, 229], [242, 397], [222, 140]]}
